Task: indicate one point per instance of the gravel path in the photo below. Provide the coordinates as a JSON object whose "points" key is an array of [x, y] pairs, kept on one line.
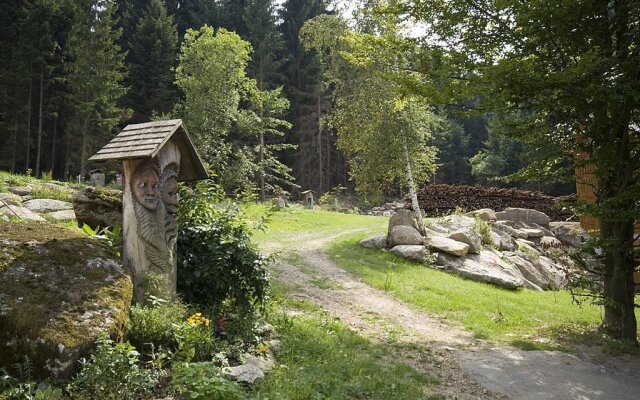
{"points": [[466, 367]]}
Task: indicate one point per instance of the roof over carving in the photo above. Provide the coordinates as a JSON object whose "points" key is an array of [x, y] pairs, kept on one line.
{"points": [[146, 140]]}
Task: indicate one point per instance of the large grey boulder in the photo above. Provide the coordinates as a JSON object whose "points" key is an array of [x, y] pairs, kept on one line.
{"points": [[532, 232], [251, 371], [42, 206], [505, 227], [410, 252], [569, 233], [21, 190], [446, 245], [59, 291], [402, 234], [375, 242], [10, 199], [502, 240], [524, 215], [554, 274], [20, 213], [456, 222], [64, 215], [529, 271], [470, 237], [403, 217], [485, 214], [484, 267], [98, 207]]}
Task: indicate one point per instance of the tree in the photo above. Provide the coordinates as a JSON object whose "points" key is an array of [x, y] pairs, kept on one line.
{"points": [[262, 32], [94, 76], [152, 57], [572, 68], [382, 130], [212, 75]]}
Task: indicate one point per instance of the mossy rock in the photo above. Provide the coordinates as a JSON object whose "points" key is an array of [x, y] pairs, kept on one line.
{"points": [[98, 207], [59, 291]]}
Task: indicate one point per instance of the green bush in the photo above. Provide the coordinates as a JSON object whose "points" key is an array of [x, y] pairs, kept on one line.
{"points": [[113, 372], [204, 381], [216, 258], [154, 327]]}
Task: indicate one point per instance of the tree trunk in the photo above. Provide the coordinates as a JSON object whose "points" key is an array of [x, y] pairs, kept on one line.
{"points": [[40, 119], [262, 172], [28, 129], [14, 141], [320, 160], [412, 187], [53, 144], [83, 148]]}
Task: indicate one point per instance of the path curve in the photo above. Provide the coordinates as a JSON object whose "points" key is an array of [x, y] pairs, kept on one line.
{"points": [[466, 367]]}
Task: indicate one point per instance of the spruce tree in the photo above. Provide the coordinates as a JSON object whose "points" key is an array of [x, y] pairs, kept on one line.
{"points": [[152, 57]]}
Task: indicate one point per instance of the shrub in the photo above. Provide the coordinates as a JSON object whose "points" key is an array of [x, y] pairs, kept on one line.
{"points": [[153, 327], [216, 258], [113, 372], [204, 381]]}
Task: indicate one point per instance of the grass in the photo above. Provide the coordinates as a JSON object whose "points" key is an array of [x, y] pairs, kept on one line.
{"points": [[322, 359], [287, 228], [525, 319]]}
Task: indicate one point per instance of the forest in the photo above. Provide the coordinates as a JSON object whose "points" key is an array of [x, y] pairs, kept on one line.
{"points": [[73, 73]]}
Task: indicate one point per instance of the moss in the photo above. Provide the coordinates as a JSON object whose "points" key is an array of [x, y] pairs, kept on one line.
{"points": [[58, 287]]}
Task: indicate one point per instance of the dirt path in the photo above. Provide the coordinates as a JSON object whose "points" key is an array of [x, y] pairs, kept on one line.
{"points": [[466, 367]]}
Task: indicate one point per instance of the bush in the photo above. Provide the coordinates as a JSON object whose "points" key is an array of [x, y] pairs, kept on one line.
{"points": [[204, 381], [113, 372], [216, 258], [155, 325]]}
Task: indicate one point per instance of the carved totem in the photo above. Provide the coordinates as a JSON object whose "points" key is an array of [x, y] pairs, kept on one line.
{"points": [[150, 207]]}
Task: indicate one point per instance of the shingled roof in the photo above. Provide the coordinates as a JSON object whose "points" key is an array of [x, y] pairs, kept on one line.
{"points": [[146, 140]]}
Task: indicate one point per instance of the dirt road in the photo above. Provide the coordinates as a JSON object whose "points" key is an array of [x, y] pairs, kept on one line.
{"points": [[466, 367]]}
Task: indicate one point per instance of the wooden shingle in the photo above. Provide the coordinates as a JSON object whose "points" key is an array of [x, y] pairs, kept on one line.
{"points": [[146, 140]]}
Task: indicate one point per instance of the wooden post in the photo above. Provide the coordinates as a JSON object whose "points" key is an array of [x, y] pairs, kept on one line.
{"points": [[150, 204]]}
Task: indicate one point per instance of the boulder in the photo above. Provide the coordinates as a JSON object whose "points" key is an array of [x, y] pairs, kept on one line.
{"points": [[525, 215], [526, 247], [484, 267], [59, 291], [556, 277], [550, 242], [532, 232], [21, 190], [456, 222], [502, 226], [20, 212], [569, 233], [251, 371], [529, 272], [470, 237], [502, 240], [449, 246], [485, 214], [403, 217], [98, 207], [64, 215], [410, 252], [42, 206], [10, 199], [402, 234], [375, 242]]}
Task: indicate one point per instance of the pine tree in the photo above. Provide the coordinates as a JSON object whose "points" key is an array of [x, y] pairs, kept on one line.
{"points": [[152, 58], [262, 32], [95, 75]]}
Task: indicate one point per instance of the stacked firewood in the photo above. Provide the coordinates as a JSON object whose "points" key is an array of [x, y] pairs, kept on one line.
{"points": [[437, 200]]}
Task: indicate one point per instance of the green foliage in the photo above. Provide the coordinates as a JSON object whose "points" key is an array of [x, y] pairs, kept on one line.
{"points": [[483, 229], [155, 325], [50, 192], [113, 372], [112, 237], [216, 259], [204, 381], [21, 386]]}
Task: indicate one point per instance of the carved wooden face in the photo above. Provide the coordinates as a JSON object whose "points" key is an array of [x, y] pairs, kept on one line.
{"points": [[170, 194], [145, 187]]}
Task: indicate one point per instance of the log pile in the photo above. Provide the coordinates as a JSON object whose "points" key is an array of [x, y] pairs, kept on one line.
{"points": [[438, 200]]}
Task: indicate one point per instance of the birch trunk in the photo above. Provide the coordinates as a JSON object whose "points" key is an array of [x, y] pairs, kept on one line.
{"points": [[412, 188]]}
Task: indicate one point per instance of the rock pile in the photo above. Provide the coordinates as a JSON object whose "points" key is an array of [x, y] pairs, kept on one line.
{"points": [[514, 248], [387, 209], [19, 203]]}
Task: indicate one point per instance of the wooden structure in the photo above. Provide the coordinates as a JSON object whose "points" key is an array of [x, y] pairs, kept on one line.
{"points": [[155, 156], [308, 198]]}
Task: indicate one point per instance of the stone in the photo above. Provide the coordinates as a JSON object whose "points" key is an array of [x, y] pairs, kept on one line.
{"points": [[550, 242], [402, 234], [522, 234], [529, 272], [544, 230], [485, 214], [456, 222], [98, 207], [484, 267], [447, 245], [10, 199], [526, 247], [251, 371], [506, 228], [59, 291], [525, 215], [470, 237], [410, 252], [502, 240], [569, 233], [21, 190], [22, 213], [532, 232], [64, 215], [403, 217], [42, 206], [556, 277], [375, 242]]}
